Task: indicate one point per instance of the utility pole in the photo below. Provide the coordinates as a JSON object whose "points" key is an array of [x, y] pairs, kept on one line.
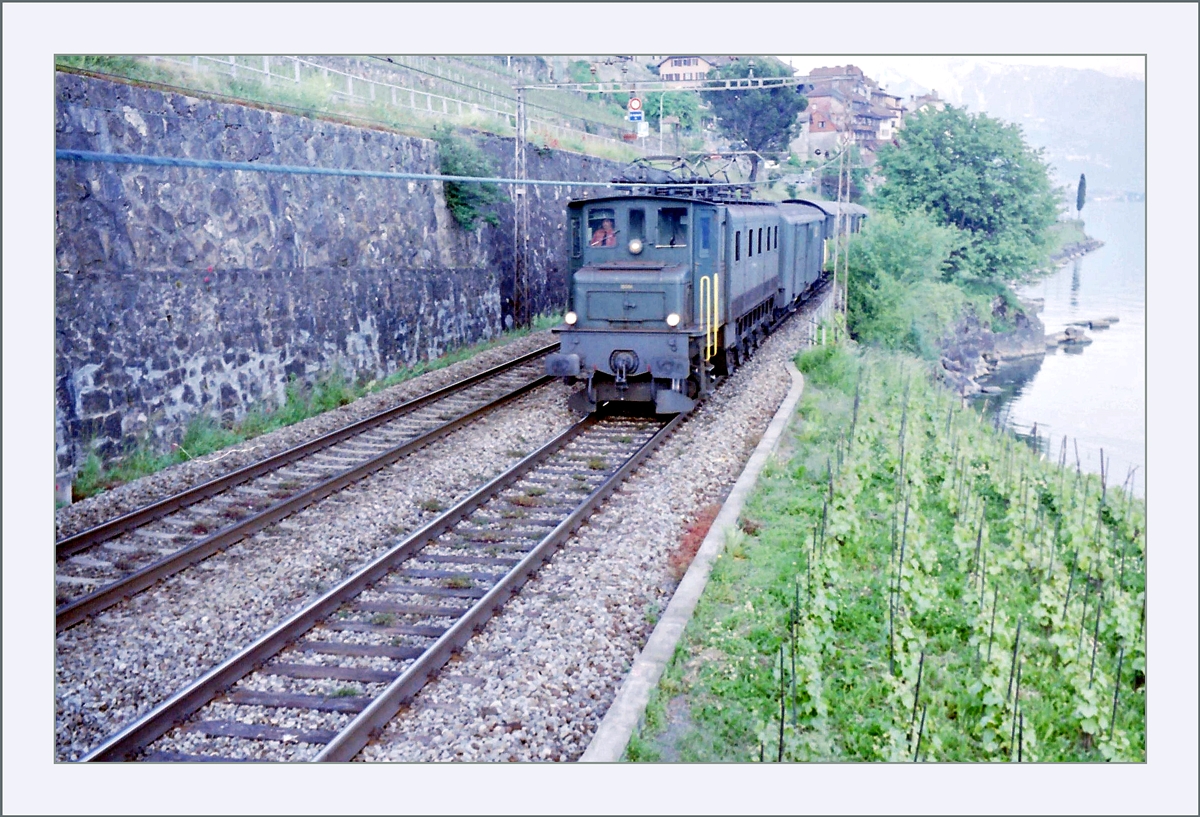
{"points": [[520, 222], [837, 226]]}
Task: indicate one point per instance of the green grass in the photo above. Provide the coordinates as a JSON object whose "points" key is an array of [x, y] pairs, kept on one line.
{"points": [[828, 599], [316, 95], [204, 435]]}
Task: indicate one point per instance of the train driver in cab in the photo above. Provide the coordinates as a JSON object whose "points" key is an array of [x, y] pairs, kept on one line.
{"points": [[604, 235]]}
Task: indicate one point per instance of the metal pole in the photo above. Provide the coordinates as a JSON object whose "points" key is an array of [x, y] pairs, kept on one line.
{"points": [[837, 228], [520, 219], [846, 268], [661, 95]]}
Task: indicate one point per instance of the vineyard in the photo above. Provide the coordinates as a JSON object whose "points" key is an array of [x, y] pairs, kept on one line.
{"points": [[914, 584]]}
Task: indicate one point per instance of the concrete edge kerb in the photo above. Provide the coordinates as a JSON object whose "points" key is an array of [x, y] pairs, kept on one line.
{"points": [[615, 730]]}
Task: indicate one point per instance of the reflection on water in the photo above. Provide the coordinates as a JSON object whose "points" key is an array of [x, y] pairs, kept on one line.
{"points": [[1092, 394]]}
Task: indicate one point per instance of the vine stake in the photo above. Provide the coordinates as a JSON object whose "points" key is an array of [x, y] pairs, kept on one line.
{"points": [[782, 713], [1112, 722], [1020, 734], [1070, 584], [920, 732], [1096, 637], [1013, 668], [1016, 711], [992, 629], [917, 694]]}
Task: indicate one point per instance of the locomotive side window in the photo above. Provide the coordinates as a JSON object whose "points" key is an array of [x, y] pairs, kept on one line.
{"points": [[602, 227], [637, 225], [776, 241], [576, 242], [737, 246], [760, 239], [672, 227], [750, 243], [705, 233]]}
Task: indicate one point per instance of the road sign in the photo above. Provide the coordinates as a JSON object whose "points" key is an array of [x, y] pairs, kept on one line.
{"points": [[635, 104], [635, 116], [643, 129]]}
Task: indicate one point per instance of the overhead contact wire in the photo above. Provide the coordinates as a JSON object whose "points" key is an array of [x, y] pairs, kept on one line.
{"points": [[216, 164]]}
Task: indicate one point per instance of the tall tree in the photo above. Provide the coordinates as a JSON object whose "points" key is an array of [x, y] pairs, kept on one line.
{"points": [[975, 173], [1080, 194], [764, 119]]}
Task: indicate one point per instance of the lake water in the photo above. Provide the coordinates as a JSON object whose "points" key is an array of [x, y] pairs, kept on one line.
{"points": [[1094, 394]]}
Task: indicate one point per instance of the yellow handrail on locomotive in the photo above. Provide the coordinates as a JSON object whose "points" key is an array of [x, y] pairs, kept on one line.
{"points": [[710, 312]]}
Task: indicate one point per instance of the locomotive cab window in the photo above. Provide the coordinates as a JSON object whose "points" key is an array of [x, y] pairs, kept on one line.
{"points": [[672, 227], [705, 231], [602, 227], [737, 246], [637, 225], [576, 240]]}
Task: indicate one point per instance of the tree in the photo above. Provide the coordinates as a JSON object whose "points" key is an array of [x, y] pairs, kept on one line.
{"points": [[763, 118], [1080, 194], [975, 173], [683, 104]]}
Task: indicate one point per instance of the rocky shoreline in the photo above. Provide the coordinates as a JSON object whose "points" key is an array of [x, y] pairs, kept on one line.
{"points": [[974, 351], [1072, 251]]}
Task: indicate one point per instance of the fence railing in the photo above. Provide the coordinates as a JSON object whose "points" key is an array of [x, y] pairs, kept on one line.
{"points": [[351, 89]]}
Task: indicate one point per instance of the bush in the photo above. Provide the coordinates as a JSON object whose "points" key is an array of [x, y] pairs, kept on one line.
{"points": [[467, 200], [898, 293]]}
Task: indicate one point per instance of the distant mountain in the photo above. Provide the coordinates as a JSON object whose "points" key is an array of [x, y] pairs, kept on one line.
{"points": [[1088, 122]]}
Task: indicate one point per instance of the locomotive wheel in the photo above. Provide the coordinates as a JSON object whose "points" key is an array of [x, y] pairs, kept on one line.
{"points": [[731, 361]]}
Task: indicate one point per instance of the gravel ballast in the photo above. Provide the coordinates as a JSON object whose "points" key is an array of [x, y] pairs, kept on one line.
{"points": [[536, 682], [119, 664]]}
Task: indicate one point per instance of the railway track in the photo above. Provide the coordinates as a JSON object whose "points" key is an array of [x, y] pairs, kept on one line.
{"points": [[99, 567], [317, 686]]}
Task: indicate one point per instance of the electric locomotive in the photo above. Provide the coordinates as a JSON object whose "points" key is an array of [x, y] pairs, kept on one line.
{"points": [[666, 293]]}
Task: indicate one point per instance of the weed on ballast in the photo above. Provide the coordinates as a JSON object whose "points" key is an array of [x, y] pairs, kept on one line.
{"points": [[918, 586]]}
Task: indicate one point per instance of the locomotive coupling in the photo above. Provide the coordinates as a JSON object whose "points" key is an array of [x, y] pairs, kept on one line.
{"points": [[559, 365]]}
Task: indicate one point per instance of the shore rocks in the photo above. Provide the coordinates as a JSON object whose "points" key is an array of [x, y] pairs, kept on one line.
{"points": [[973, 350], [1073, 335]]}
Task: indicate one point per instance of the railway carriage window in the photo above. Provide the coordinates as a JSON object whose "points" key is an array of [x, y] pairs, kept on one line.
{"points": [[601, 221], [737, 246], [637, 225], [705, 232], [672, 227]]}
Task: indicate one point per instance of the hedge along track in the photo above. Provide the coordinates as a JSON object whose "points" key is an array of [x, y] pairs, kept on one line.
{"points": [[318, 685], [99, 567]]}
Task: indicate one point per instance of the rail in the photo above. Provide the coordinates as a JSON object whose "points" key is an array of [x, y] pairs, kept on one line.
{"points": [[502, 493], [107, 594]]}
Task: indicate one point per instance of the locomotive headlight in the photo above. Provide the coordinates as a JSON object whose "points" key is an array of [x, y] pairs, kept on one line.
{"points": [[673, 320], [570, 318], [635, 246]]}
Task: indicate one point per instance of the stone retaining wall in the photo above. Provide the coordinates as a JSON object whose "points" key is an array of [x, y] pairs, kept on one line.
{"points": [[185, 291]]}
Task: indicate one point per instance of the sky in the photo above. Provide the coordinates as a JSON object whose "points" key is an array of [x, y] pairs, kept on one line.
{"points": [[928, 70], [935, 71]]}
